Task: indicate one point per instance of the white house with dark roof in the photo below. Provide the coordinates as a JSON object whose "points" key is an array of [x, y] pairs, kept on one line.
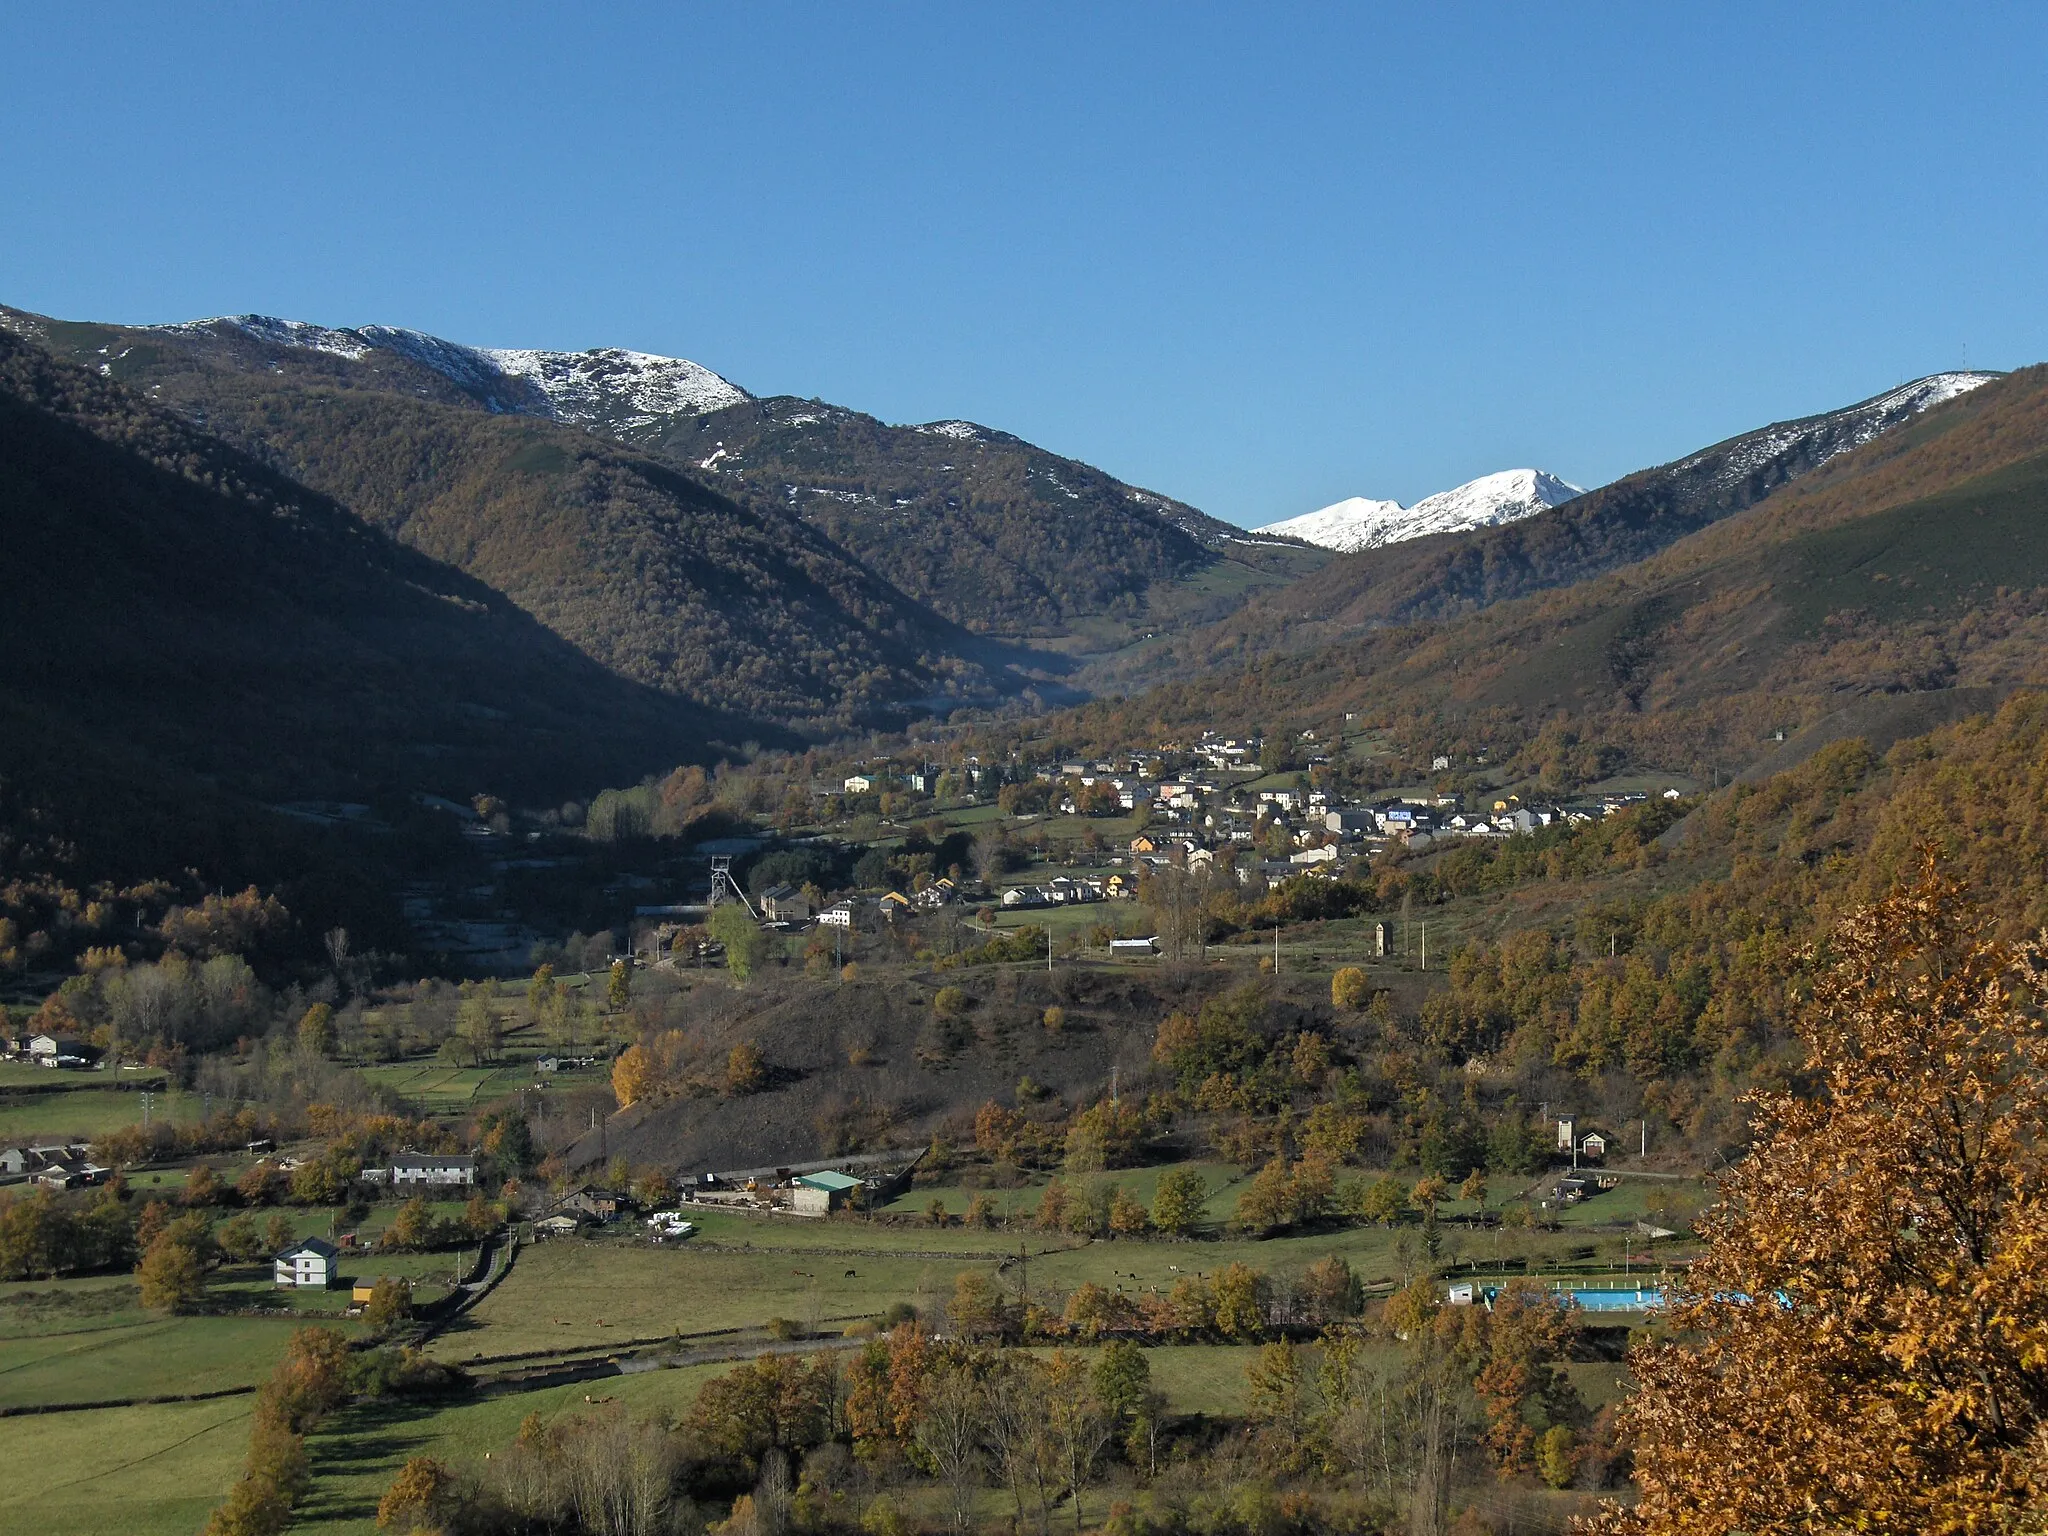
{"points": [[312, 1261]]}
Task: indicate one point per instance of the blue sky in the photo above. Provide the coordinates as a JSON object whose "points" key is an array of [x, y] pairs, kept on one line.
{"points": [[1259, 258]]}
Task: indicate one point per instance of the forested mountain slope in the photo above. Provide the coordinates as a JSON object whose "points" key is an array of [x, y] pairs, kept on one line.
{"points": [[991, 533], [649, 572], [1917, 561], [190, 635], [997, 534], [1444, 575]]}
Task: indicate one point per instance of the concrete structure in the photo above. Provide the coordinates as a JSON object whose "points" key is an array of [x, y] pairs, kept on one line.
{"points": [[311, 1261], [818, 1194], [784, 904]]}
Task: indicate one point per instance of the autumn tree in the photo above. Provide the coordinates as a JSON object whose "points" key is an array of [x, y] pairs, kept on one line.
{"points": [[419, 1497], [1350, 988], [316, 1030], [745, 1071], [632, 1075], [618, 991], [1179, 1203], [390, 1303], [171, 1276], [1861, 1344], [731, 925]]}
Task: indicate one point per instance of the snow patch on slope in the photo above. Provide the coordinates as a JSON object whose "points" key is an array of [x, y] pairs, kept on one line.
{"points": [[297, 334], [596, 385], [608, 386], [1362, 523], [1837, 432]]}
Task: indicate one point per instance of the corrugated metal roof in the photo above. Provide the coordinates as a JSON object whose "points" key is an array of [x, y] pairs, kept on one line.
{"points": [[830, 1179]]}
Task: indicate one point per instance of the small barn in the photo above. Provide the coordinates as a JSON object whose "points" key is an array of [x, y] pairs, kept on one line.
{"points": [[817, 1194], [309, 1262]]}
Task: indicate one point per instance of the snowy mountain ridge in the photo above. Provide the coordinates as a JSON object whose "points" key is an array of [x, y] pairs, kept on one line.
{"points": [[1835, 432], [1359, 522], [604, 386]]}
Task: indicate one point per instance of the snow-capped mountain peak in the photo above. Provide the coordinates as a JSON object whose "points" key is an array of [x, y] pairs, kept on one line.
{"points": [[605, 386], [1361, 523]]}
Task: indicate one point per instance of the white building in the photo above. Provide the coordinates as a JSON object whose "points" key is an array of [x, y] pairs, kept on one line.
{"points": [[432, 1168], [859, 784], [312, 1261]]}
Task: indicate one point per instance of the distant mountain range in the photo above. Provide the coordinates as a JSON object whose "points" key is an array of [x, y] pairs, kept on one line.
{"points": [[1358, 522], [1898, 549], [776, 565], [1444, 574]]}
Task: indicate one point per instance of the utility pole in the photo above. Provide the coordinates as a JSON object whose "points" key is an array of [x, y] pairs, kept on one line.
{"points": [[1425, 943], [1276, 946]]}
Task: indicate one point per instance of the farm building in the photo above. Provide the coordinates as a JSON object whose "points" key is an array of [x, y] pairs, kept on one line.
{"points": [[311, 1261], [816, 1194], [432, 1168], [60, 1051], [598, 1204]]}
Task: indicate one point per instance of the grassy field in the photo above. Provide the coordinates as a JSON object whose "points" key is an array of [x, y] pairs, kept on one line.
{"points": [[26, 1074], [357, 1454], [1143, 1183], [140, 1356], [86, 1112], [152, 1471], [440, 1088], [578, 1294]]}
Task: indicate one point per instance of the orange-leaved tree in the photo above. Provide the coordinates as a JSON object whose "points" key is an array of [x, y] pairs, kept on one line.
{"points": [[1864, 1343]]}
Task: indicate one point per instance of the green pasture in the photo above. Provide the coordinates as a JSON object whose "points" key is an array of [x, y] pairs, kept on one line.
{"points": [[139, 1356], [356, 1454], [26, 1074], [1022, 1201], [151, 1471], [87, 1112], [1201, 1378], [732, 1229], [578, 1294], [440, 1088]]}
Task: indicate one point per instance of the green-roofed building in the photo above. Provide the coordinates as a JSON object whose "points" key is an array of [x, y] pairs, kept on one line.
{"points": [[817, 1194]]}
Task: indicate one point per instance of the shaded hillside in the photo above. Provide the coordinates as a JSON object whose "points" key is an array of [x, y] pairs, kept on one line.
{"points": [[1917, 561], [188, 634], [170, 595], [643, 568], [972, 526], [1444, 575], [996, 534]]}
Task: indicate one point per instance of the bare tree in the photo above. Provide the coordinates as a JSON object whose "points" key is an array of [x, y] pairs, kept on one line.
{"points": [[950, 1435], [1013, 1397], [1079, 1426]]}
